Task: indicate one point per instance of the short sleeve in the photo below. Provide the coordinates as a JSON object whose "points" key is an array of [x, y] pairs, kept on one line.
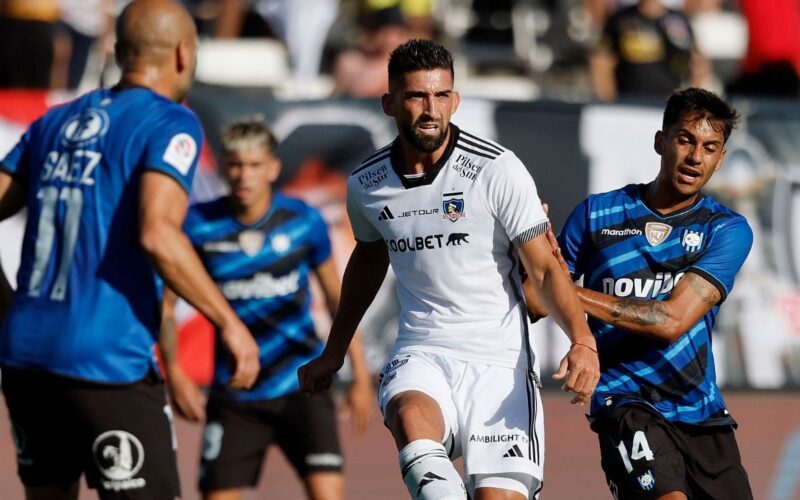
{"points": [[513, 199], [320, 242], [15, 162], [173, 146], [362, 229], [728, 246], [574, 239]]}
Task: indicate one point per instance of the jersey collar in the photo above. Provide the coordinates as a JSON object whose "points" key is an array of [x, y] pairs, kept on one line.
{"points": [[397, 161], [640, 194]]}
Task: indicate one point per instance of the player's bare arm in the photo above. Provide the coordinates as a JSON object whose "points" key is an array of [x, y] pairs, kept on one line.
{"points": [[666, 320], [186, 396], [163, 207], [12, 199], [580, 368], [360, 395], [363, 277]]}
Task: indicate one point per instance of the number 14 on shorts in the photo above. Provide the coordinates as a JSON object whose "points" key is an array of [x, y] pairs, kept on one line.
{"points": [[639, 449]]}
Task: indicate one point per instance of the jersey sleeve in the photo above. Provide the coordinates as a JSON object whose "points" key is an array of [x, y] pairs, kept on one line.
{"points": [[728, 246], [574, 239], [514, 200], [173, 146], [320, 241], [362, 229], [15, 162]]}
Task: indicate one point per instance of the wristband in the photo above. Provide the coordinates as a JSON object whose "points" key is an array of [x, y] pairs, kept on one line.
{"points": [[583, 345]]}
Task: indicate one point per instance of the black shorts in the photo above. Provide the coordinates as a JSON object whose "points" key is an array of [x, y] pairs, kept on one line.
{"points": [[121, 436], [237, 435], [644, 456]]}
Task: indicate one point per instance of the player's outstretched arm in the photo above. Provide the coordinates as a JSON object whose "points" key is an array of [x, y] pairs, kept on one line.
{"points": [[666, 320], [360, 395], [363, 277], [186, 397], [163, 207], [580, 368]]}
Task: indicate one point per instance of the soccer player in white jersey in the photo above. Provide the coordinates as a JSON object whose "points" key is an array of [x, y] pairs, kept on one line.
{"points": [[455, 215]]}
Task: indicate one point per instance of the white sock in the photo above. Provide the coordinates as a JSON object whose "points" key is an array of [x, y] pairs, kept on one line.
{"points": [[428, 472]]}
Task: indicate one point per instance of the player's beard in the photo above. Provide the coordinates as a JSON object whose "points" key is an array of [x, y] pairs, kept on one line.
{"points": [[421, 142]]}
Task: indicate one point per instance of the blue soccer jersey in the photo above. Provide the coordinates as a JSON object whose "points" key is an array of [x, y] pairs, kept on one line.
{"points": [[87, 302], [263, 270], [624, 248]]}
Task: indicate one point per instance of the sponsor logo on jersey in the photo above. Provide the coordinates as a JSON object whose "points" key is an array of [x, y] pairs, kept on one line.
{"points": [[621, 232], [466, 167], [373, 177], [386, 213], [261, 286], [647, 480], [180, 152], [692, 241], [85, 128], [641, 287], [119, 456], [656, 232], [498, 438], [251, 242], [222, 246], [428, 242]]}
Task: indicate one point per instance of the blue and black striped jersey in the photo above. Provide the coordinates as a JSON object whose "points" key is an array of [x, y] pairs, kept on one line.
{"points": [[624, 248], [263, 270]]}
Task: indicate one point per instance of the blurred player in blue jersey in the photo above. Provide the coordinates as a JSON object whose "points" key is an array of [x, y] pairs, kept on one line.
{"points": [[261, 248], [105, 180], [657, 261]]}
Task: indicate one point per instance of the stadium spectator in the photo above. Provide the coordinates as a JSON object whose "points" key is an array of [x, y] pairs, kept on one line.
{"points": [[83, 23], [261, 248], [361, 72], [772, 63], [645, 50], [454, 214], [27, 42], [105, 179], [657, 261]]}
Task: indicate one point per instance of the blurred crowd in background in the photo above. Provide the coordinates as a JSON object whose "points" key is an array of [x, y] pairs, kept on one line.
{"points": [[506, 49]]}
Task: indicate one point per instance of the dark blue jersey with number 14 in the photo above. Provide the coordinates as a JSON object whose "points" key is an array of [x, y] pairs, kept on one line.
{"points": [[87, 300], [624, 248]]}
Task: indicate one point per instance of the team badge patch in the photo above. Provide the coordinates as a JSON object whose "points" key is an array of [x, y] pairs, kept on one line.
{"points": [[119, 456], [85, 128], [692, 241], [251, 242], [453, 206], [281, 243], [657, 232], [180, 152], [647, 480]]}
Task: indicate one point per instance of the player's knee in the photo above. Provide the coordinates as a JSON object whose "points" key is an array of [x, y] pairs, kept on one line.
{"points": [[428, 472], [414, 415]]}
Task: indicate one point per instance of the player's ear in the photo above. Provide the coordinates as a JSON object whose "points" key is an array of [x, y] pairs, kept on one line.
{"points": [[720, 160], [182, 55], [658, 142], [456, 101], [386, 104], [274, 169]]}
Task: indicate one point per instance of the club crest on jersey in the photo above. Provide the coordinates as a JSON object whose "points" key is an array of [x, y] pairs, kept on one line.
{"points": [[251, 242], [453, 206], [647, 480], [656, 232], [85, 128], [281, 243], [692, 241]]}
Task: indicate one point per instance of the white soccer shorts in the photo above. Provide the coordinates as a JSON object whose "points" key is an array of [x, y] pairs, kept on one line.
{"points": [[493, 414]]}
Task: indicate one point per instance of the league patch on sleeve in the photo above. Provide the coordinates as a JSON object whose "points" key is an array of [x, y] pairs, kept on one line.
{"points": [[180, 152]]}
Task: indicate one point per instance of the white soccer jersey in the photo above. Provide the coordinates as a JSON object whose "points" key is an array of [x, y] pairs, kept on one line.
{"points": [[451, 237]]}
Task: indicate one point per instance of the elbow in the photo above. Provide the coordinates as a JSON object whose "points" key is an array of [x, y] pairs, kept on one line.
{"points": [[154, 239]]}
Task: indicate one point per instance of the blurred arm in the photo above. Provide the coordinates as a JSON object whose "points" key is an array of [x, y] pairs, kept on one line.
{"points": [[12, 199]]}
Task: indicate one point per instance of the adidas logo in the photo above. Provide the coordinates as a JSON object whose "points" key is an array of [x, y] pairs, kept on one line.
{"points": [[386, 214], [513, 452]]}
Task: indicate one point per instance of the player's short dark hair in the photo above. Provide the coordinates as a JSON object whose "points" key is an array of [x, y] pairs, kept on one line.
{"points": [[248, 133], [700, 104], [418, 54]]}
